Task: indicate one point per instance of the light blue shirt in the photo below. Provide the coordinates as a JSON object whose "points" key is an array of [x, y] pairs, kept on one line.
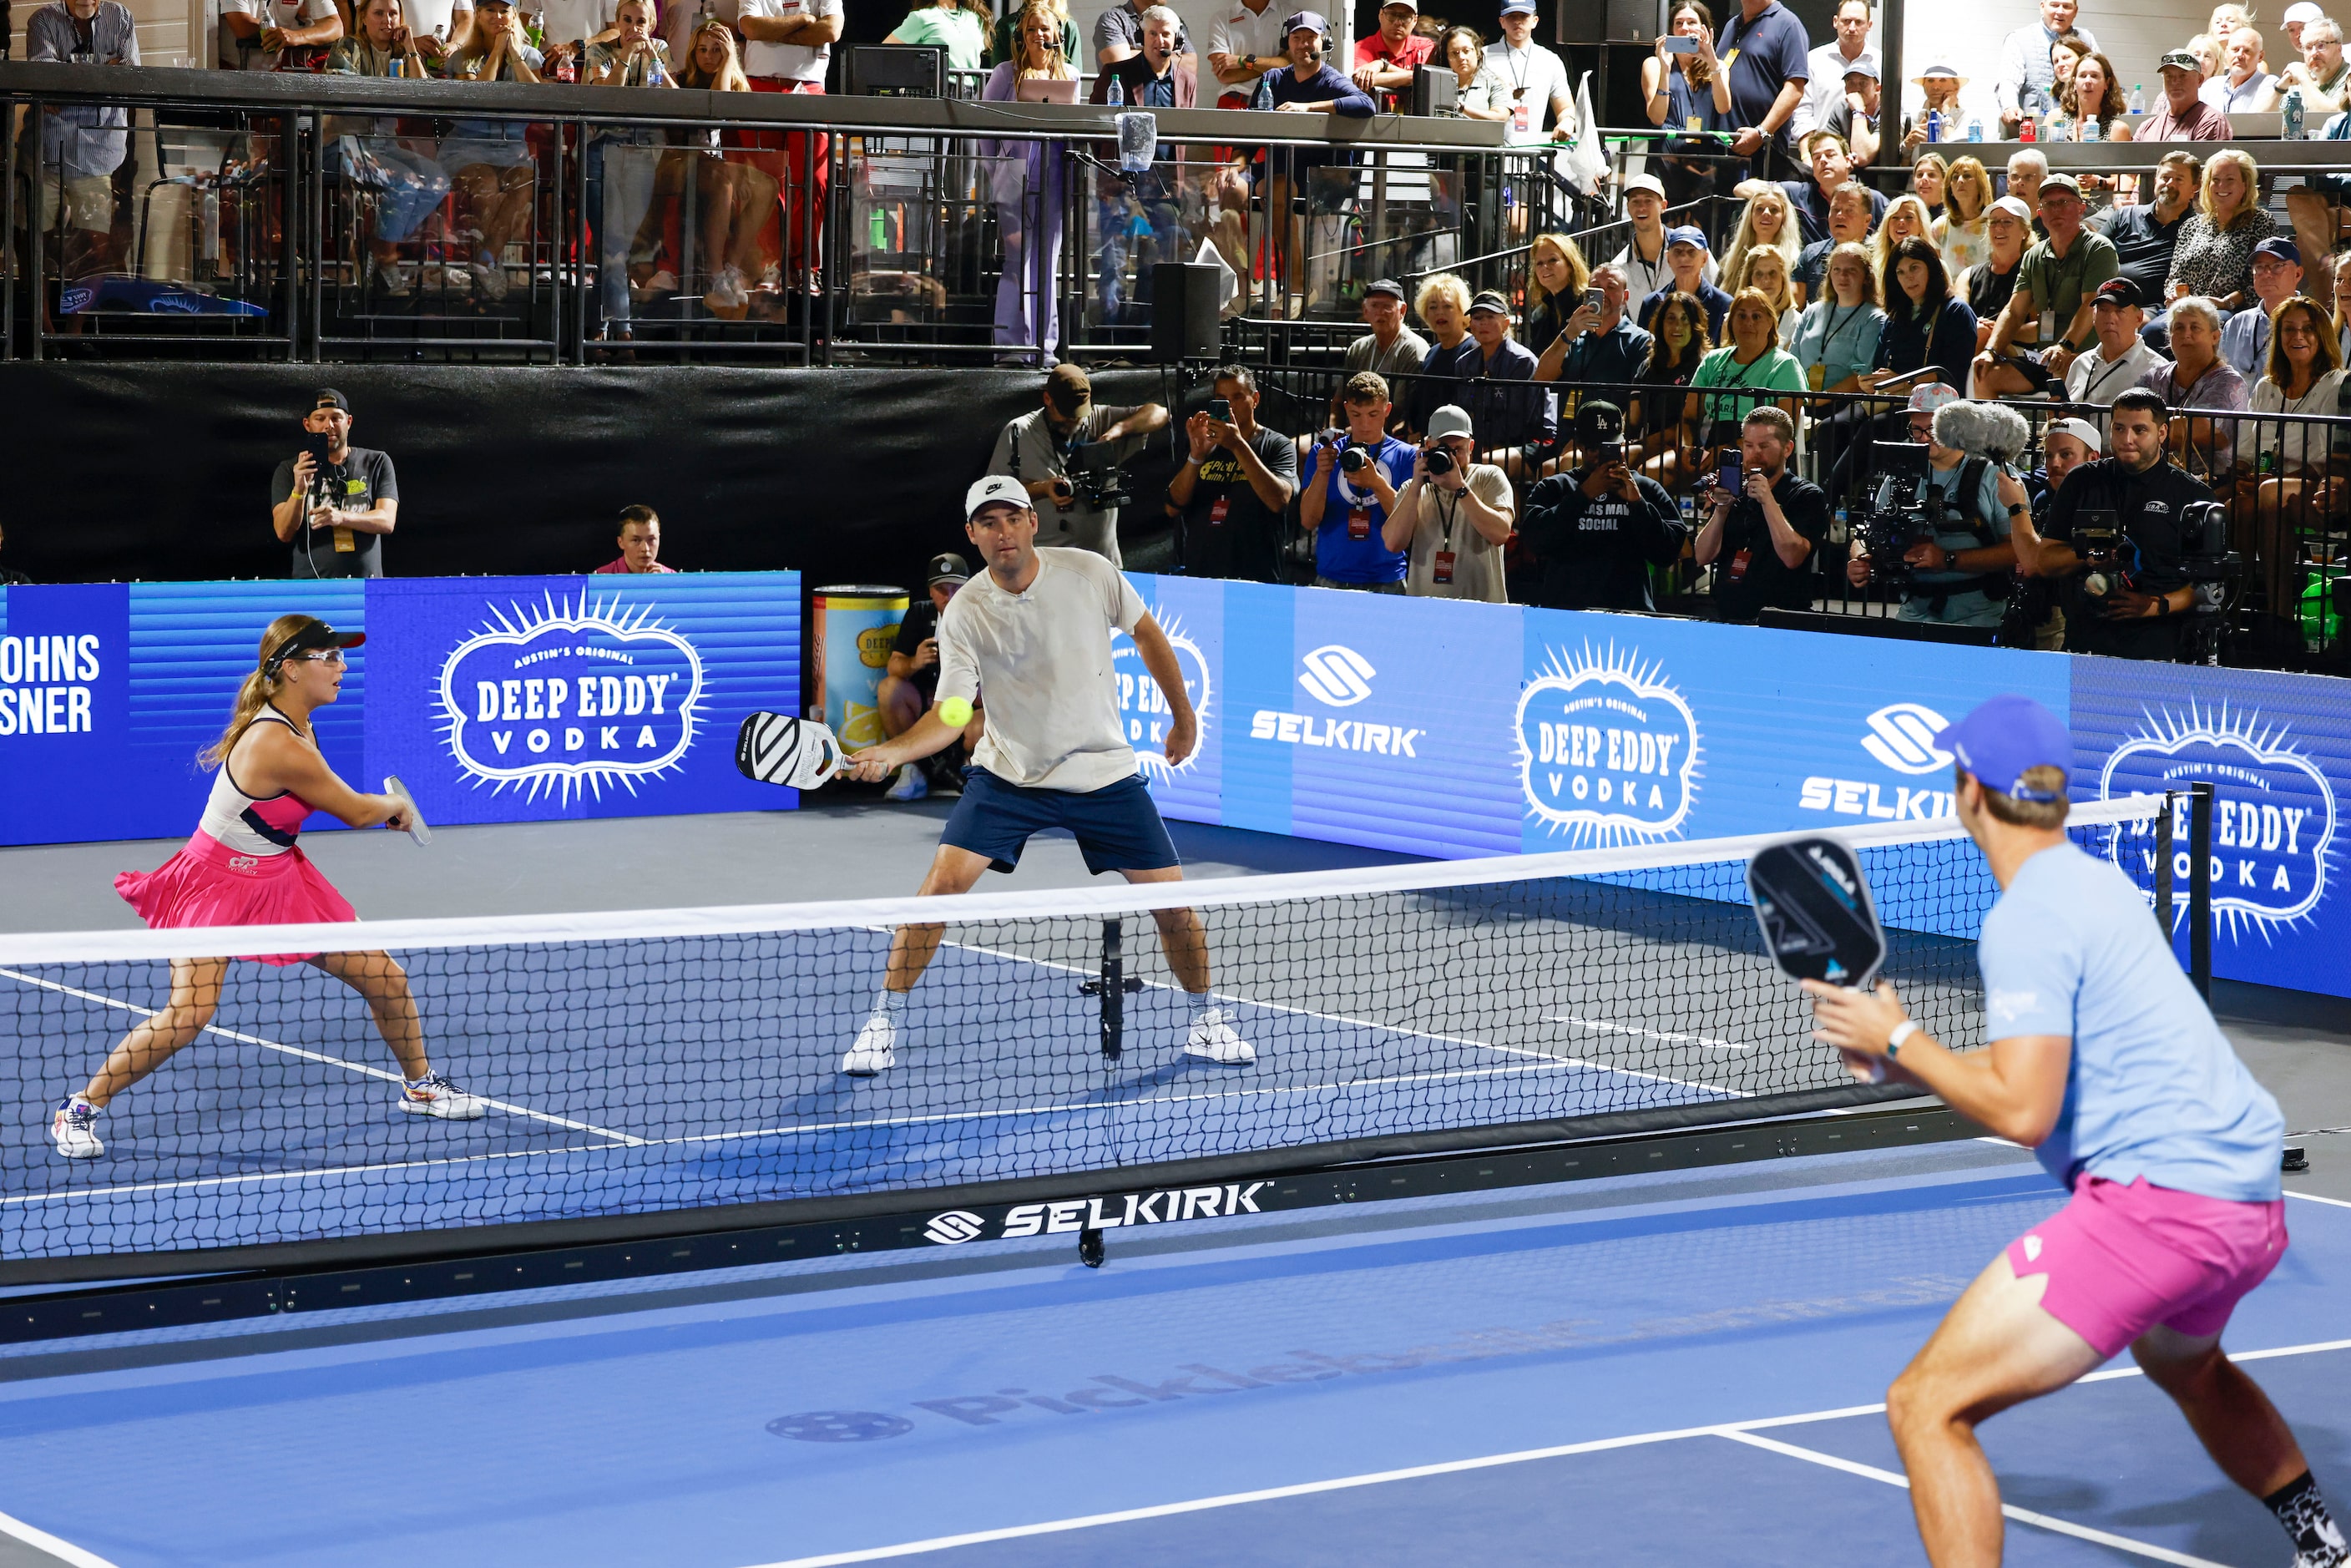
{"points": [[2155, 1089], [2245, 341], [1842, 339]]}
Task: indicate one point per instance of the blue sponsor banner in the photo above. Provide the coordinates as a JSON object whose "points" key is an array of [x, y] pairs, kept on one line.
{"points": [[1453, 731], [495, 699]]}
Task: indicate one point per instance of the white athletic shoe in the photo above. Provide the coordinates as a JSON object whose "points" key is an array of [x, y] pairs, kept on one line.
{"points": [[75, 1127], [434, 1095], [1212, 1039], [876, 1050], [910, 784]]}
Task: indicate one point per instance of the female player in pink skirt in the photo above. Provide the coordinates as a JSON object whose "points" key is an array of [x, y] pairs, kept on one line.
{"points": [[243, 868]]}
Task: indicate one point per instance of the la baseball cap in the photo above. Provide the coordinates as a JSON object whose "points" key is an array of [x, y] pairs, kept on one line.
{"points": [[991, 491], [1927, 399], [2081, 430], [2004, 739], [1688, 233], [949, 567]]}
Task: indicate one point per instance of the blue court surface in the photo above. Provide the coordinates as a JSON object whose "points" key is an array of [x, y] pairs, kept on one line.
{"points": [[1676, 1368], [635, 1076]]}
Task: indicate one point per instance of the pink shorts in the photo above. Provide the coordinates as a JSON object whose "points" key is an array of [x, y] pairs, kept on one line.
{"points": [[2121, 1259]]}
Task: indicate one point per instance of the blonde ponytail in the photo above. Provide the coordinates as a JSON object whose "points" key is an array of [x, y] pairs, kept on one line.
{"points": [[258, 688]]}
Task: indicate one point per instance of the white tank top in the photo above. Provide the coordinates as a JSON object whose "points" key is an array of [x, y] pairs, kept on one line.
{"points": [[254, 825]]}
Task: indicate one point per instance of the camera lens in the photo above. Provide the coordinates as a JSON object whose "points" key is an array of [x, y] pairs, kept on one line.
{"points": [[1354, 460], [1440, 461]]}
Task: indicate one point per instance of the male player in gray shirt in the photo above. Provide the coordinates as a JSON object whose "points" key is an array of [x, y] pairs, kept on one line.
{"points": [[1033, 631]]}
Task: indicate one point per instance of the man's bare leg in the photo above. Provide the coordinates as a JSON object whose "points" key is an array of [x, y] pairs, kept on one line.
{"points": [[1995, 1348], [912, 947], [1185, 940]]}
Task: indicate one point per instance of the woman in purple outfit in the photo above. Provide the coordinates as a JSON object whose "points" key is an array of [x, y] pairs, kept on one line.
{"points": [[1026, 181]]}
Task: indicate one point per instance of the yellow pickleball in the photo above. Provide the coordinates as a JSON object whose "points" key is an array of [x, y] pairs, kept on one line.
{"points": [[954, 713]]}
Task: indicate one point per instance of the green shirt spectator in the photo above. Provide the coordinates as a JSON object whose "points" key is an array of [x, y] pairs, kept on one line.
{"points": [[2064, 284], [961, 32], [1774, 370]]}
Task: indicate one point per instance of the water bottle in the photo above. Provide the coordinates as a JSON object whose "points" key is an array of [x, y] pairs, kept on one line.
{"points": [[1690, 513], [2090, 132], [1117, 92], [1934, 125], [1975, 130], [1841, 530], [654, 76], [2138, 98], [2292, 126]]}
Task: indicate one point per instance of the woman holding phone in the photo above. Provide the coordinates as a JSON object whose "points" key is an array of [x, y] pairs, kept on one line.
{"points": [[1685, 87]]}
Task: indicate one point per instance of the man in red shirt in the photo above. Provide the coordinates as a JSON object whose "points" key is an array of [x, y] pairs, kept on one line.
{"points": [[1385, 61], [639, 543]]}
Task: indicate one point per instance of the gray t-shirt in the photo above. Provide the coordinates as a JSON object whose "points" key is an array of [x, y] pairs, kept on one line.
{"points": [[1403, 358], [355, 484], [1028, 450], [1475, 567]]}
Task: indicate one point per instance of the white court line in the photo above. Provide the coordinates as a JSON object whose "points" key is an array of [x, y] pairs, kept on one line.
{"points": [[1378, 1478], [64, 1551], [1605, 1028], [2313, 1197], [1549, 1063], [2021, 1515], [359, 1067]]}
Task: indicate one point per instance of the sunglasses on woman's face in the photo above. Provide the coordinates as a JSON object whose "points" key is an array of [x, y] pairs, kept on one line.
{"points": [[331, 656]]}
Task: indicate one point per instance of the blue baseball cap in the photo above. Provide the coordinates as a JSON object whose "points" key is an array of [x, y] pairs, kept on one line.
{"points": [[2005, 737], [1688, 233]]}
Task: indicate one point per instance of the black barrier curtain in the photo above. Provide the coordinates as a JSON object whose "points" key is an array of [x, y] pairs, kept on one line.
{"points": [[847, 476]]}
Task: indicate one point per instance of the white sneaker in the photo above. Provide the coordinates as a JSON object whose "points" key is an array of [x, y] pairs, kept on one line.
{"points": [[75, 1127], [434, 1095], [876, 1050], [1212, 1039], [910, 784], [392, 277]]}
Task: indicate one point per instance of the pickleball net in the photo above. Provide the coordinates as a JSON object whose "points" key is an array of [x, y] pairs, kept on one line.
{"points": [[665, 1062]]}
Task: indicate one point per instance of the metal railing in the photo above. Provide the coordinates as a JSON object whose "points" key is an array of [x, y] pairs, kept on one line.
{"points": [[308, 218]]}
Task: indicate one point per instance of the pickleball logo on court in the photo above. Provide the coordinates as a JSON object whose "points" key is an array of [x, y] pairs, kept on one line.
{"points": [[2274, 812], [566, 698], [1608, 749], [1143, 712]]}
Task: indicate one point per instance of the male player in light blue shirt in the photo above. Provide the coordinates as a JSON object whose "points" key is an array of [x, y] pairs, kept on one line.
{"points": [[2106, 1063]]}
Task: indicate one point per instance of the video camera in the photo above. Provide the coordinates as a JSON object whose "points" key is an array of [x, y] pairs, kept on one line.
{"points": [[1906, 509], [2112, 561], [1096, 480]]}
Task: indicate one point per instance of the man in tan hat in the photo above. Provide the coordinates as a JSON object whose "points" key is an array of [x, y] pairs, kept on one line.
{"points": [[1049, 447]]}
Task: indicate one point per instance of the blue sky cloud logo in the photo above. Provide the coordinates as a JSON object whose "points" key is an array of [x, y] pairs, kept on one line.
{"points": [[2273, 819], [1143, 708], [569, 698], [1609, 752]]}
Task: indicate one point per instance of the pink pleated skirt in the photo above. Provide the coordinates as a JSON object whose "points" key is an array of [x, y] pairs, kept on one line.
{"points": [[207, 884]]}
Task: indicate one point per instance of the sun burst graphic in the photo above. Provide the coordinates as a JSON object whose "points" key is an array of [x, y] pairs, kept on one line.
{"points": [[1155, 763], [1603, 673], [618, 631], [2237, 747]]}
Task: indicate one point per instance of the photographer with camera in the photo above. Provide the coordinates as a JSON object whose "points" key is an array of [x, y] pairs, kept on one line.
{"points": [[1598, 529], [1453, 516], [1066, 454], [1350, 491], [1765, 522], [1937, 532], [2120, 535], [1236, 483], [334, 502]]}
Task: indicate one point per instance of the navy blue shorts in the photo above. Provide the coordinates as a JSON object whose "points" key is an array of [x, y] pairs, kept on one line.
{"points": [[1117, 827]]}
